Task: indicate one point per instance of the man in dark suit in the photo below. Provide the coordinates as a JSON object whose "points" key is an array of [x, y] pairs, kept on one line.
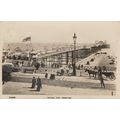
{"points": [[100, 77]]}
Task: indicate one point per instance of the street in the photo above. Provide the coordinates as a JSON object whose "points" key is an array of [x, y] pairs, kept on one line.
{"points": [[61, 86]]}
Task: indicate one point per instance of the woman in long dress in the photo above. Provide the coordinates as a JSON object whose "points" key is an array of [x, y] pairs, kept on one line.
{"points": [[39, 84]]}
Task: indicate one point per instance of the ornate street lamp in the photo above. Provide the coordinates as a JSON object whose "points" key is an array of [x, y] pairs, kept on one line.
{"points": [[74, 55]]}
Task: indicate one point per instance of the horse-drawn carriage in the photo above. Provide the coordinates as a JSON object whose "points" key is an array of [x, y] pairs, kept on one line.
{"points": [[107, 72]]}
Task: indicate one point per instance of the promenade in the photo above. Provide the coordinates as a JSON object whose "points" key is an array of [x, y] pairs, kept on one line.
{"points": [[62, 85]]}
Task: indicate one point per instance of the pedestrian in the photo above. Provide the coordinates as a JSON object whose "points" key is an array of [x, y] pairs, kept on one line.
{"points": [[33, 82], [80, 73], [22, 63], [46, 74], [67, 70], [37, 65], [104, 68], [39, 84], [62, 71], [100, 77], [81, 66]]}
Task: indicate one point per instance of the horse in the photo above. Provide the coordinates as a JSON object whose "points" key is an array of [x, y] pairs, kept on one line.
{"points": [[109, 74], [91, 72]]}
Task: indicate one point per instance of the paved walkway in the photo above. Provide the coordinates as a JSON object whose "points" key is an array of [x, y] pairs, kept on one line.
{"points": [[18, 88], [62, 85]]}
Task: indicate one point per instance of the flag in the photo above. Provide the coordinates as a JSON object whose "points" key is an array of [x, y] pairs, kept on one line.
{"points": [[27, 39]]}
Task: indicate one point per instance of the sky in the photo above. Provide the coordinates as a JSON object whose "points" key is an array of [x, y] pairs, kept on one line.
{"points": [[60, 32]]}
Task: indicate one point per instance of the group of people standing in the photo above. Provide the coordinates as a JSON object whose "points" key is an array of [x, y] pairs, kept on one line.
{"points": [[19, 64], [36, 82]]}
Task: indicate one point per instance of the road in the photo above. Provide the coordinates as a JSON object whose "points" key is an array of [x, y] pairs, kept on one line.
{"points": [[61, 86]]}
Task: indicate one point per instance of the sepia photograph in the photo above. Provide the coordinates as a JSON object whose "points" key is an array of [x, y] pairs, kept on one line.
{"points": [[59, 58]]}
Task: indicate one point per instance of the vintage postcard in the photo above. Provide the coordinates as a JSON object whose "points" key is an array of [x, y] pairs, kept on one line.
{"points": [[59, 59]]}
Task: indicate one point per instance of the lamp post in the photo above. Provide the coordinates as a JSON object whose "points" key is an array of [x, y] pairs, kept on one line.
{"points": [[74, 55]]}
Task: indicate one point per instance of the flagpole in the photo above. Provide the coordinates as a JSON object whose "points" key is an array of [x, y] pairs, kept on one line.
{"points": [[30, 45]]}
